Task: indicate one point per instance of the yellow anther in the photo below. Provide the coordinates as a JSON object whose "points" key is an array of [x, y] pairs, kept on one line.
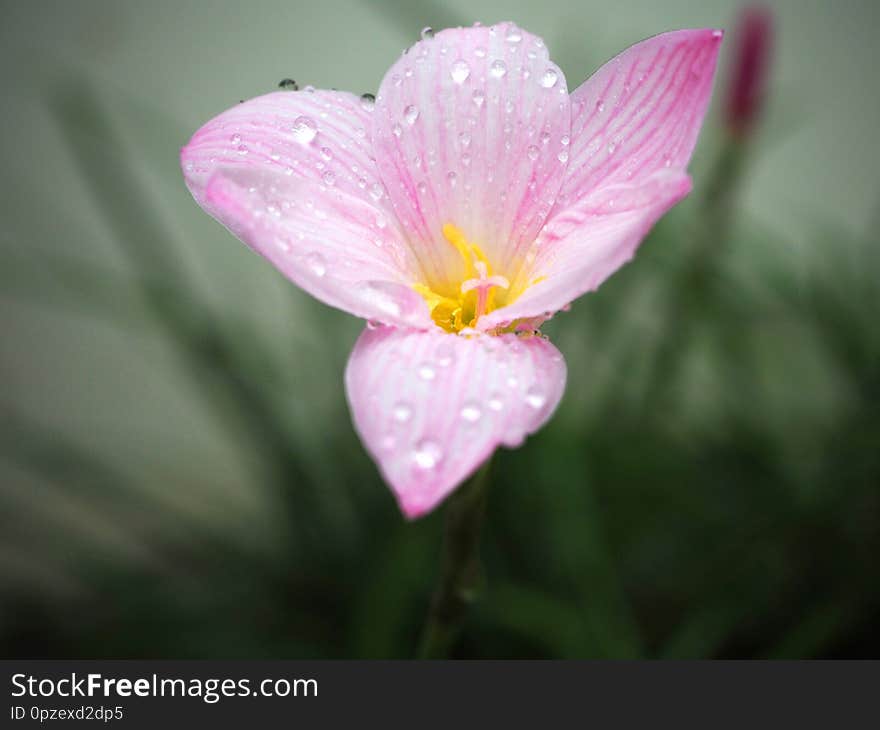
{"points": [[475, 296]]}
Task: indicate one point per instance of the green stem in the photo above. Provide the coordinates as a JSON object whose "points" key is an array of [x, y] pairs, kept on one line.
{"points": [[460, 567]]}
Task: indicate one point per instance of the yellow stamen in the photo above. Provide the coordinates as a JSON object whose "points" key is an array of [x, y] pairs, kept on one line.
{"points": [[476, 294]]}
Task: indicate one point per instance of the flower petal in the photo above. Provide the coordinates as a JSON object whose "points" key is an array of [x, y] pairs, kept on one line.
{"points": [[324, 241], [312, 136], [583, 245], [469, 129], [641, 112], [430, 407], [291, 174]]}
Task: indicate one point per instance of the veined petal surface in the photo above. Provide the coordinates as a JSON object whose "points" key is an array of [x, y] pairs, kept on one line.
{"points": [[585, 244], [431, 407], [641, 112], [292, 175], [470, 129]]}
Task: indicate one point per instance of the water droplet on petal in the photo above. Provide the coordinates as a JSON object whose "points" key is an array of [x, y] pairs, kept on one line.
{"points": [[317, 264], [460, 71], [498, 69], [288, 85], [562, 156], [445, 355], [304, 129], [427, 32], [535, 397], [496, 402], [368, 101], [480, 52], [549, 78], [533, 152], [426, 371], [388, 443], [471, 412], [426, 454], [329, 178], [410, 114], [402, 411], [479, 97], [514, 35], [235, 139]]}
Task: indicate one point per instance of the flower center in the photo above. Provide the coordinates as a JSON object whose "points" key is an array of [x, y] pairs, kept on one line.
{"points": [[476, 294]]}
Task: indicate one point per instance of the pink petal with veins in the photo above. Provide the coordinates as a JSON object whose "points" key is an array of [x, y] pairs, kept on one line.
{"points": [[641, 112], [583, 245], [291, 174], [431, 407], [468, 129]]}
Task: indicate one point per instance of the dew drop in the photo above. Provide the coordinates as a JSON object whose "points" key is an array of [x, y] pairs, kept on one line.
{"points": [[329, 178], [471, 412], [445, 355], [460, 71], [402, 411], [533, 152], [368, 101], [549, 78], [498, 69], [535, 398], [496, 402], [388, 442], [410, 114], [479, 97], [288, 85], [427, 33], [426, 371], [426, 454], [304, 129], [513, 35], [235, 139], [480, 52], [465, 139], [562, 156], [316, 263]]}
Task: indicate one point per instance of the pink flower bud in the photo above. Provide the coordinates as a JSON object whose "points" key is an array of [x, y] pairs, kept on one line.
{"points": [[751, 61]]}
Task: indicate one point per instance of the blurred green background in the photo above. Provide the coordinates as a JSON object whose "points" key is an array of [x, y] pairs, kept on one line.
{"points": [[179, 476]]}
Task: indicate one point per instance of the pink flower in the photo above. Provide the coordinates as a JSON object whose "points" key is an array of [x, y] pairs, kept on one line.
{"points": [[474, 198]]}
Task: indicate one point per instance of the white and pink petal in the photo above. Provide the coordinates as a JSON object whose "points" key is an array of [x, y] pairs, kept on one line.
{"points": [[292, 175], [431, 407], [585, 244], [339, 249], [470, 129], [641, 112]]}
